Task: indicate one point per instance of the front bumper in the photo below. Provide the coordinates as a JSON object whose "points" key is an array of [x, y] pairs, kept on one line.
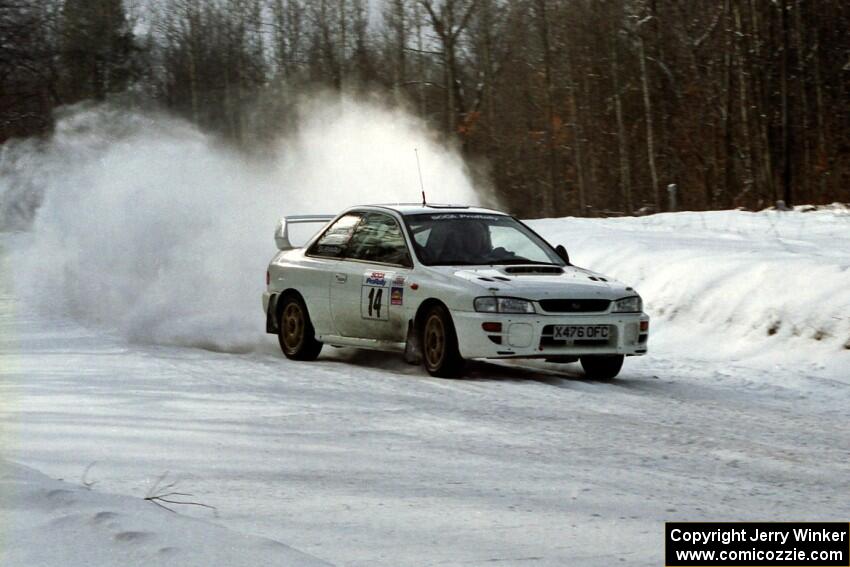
{"points": [[527, 336]]}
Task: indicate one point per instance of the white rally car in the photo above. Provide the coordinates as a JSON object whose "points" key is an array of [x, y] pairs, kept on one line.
{"points": [[444, 284]]}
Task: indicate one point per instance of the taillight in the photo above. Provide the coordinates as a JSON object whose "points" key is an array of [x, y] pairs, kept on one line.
{"points": [[268, 278]]}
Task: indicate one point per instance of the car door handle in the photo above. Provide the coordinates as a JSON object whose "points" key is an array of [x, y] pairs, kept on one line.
{"points": [[341, 278]]}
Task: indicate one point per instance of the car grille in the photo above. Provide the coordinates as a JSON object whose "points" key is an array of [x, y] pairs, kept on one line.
{"points": [[574, 305]]}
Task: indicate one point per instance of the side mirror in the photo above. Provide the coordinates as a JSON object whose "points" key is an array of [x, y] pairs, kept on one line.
{"points": [[281, 236], [562, 252]]}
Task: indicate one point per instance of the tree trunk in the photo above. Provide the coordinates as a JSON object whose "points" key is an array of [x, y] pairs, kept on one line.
{"points": [[650, 136], [449, 68], [787, 134], [400, 42], [767, 187], [747, 150], [820, 152], [551, 200], [343, 20], [423, 108], [625, 174], [577, 135], [728, 149], [804, 180]]}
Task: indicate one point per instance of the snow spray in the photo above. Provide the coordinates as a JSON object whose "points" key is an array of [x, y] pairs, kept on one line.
{"points": [[146, 225]]}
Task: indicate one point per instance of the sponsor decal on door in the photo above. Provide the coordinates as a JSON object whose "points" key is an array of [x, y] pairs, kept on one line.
{"points": [[397, 296]]}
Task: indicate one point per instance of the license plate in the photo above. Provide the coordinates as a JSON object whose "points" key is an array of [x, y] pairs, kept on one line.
{"points": [[573, 332]]}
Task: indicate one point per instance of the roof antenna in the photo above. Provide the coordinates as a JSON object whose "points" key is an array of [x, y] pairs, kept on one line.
{"points": [[419, 169]]}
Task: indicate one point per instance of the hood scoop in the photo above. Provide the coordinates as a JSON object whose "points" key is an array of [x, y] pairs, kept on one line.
{"points": [[534, 270]]}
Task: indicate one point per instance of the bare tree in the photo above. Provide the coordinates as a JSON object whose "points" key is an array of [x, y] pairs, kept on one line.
{"points": [[578, 106], [448, 21]]}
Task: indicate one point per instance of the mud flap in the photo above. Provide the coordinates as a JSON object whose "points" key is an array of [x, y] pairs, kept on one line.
{"points": [[412, 348], [271, 316]]}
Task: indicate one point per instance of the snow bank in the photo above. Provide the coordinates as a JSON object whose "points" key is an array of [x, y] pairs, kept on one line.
{"points": [[732, 283], [150, 227], [48, 523]]}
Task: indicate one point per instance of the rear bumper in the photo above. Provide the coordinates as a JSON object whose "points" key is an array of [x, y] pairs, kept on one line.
{"points": [[526, 336]]}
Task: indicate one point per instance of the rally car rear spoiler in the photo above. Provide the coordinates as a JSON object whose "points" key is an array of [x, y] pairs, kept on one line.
{"points": [[281, 234]]}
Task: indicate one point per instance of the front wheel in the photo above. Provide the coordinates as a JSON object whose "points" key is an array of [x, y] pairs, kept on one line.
{"points": [[440, 353], [602, 367], [295, 331]]}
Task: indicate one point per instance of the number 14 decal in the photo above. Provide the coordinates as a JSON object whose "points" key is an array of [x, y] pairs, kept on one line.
{"points": [[374, 303], [375, 296]]}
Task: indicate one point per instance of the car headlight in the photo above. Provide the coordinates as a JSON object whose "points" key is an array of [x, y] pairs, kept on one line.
{"points": [[628, 305], [503, 305]]}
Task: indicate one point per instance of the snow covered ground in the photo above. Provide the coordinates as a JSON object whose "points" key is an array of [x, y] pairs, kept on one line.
{"points": [[48, 523], [738, 413]]}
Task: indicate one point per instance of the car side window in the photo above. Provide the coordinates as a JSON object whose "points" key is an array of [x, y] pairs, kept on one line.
{"points": [[333, 241], [422, 236], [379, 239]]}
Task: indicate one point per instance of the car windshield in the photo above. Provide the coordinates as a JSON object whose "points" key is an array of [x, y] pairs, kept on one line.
{"points": [[468, 239]]}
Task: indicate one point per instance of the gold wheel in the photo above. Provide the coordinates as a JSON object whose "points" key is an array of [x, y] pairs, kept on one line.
{"points": [[435, 341], [293, 327]]}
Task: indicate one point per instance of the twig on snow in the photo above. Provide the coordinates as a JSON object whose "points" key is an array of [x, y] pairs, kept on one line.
{"points": [[161, 494], [88, 483]]}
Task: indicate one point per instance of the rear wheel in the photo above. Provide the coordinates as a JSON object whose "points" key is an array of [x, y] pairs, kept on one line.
{"points": [[295, 331], [602, 367], [440, 353]]}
